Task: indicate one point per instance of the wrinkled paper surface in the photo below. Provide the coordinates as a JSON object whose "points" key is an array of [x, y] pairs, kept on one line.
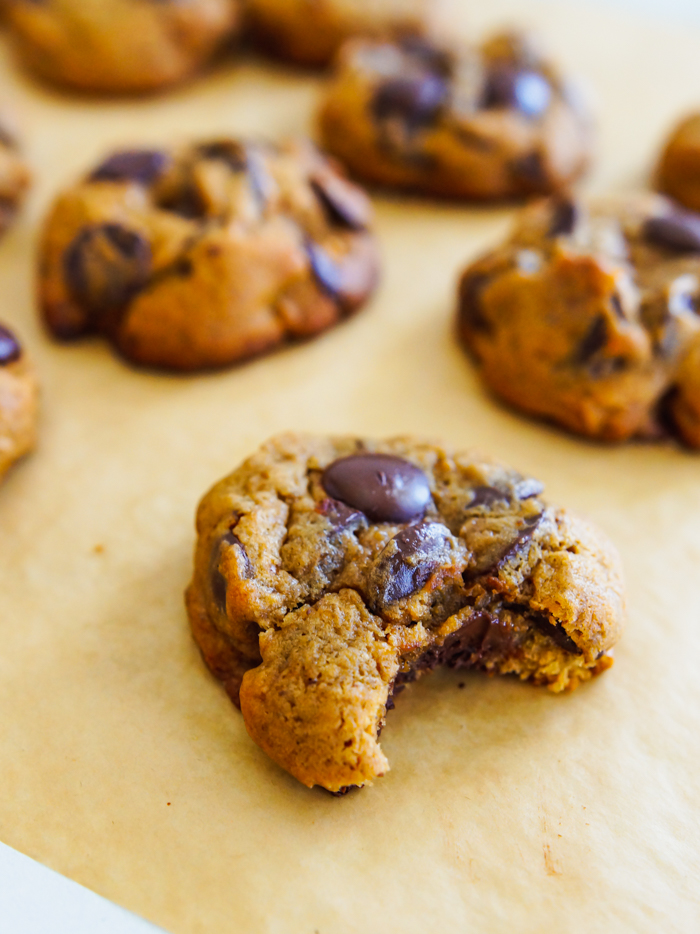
{"points": [[122, 763]]}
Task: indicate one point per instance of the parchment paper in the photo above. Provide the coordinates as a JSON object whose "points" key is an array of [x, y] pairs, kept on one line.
{"points": [[122, 763]]}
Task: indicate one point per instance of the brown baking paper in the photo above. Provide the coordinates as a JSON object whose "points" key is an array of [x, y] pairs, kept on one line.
{"points": [[122, 763]]}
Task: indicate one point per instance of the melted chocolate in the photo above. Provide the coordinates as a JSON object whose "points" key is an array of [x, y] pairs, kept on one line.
{"points": [[384, 487]]}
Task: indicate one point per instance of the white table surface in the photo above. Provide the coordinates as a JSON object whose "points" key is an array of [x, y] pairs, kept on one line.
{"points": [[36, 900]]}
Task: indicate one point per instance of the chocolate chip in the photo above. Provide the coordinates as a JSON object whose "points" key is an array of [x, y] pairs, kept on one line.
{"points": [[341, 517], [385, 488], [530, 170], [526, 91], [488, 496], [415, 99], [525, 535], [343, 203], [10, 349], [136, 165], [557, 634], [565, 215], [595, 339], [228, 151], [407, 561], [678, 230], [470, 305], [106, 265], [347, 280], [217, 579], [185, 201]]}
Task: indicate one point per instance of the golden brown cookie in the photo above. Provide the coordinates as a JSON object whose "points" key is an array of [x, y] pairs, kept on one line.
{"points": [[483, 123], [331, 572], [679, 170], [206, 255], [18, 401], [120, 46], [588, 316], [310, 32]]}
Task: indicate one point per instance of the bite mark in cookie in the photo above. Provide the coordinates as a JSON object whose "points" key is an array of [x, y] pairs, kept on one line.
{"points": [[329, 573]]}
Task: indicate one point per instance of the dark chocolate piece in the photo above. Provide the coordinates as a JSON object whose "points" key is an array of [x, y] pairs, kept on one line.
{"points": [[487, 496], [678, 231], [470, 308], [136, 165], [341, 517], [342, 202], [565, 215], [347, 280], [525, 534], [10, 349], [530, 170], [594, 341], [508, 86], [217, 579], [415, 99], [384, 487], [556, 633], [407, 562], [105, 266], [228, 151]]}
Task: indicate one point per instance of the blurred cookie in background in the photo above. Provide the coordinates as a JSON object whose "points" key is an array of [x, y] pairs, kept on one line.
{"points": [[19, 396], [119, 46], [492, 122], [310, 32], [208, 254], [587, 316]]}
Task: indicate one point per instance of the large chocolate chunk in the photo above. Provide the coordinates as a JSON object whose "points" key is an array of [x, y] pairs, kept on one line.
{"points": [[341, 517], [407, 561], [347, 279], [385, 488], [135, 165], [594, 341], [105, 266], [415, 99], [216, 578], [526, 91], [344, 204], [565, 216], [10, 349], [678, 230]]}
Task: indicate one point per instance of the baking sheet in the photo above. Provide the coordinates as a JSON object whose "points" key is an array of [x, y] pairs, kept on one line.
{"points": [[122, 763]]}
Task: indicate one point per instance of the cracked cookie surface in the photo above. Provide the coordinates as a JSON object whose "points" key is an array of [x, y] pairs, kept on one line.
{"points": [[331, 572], [18, 401], [310, 32], [588, 316], [119, 45], [484, 123], [206, 255]]}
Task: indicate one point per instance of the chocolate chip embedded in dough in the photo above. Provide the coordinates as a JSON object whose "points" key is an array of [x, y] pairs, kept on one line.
{"points": [[677, 230], [414, 99], [344, 204], [595, 339], [217, 579], [105, 266], [470, 306], [384, 487], [557, 634], [487, 496], [341, 517], [347, 279], [136, 165], [228, 151], [407, 562], [10, 349], [526, 91], [565, 216]]}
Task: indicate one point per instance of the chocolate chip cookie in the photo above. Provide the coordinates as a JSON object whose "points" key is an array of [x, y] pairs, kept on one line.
{"points": [[588, 316], [120, 46], [207, 255], [310, 32], [488, 123], [14, 174], [18, 401], [330, 573], [679, 169]]}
